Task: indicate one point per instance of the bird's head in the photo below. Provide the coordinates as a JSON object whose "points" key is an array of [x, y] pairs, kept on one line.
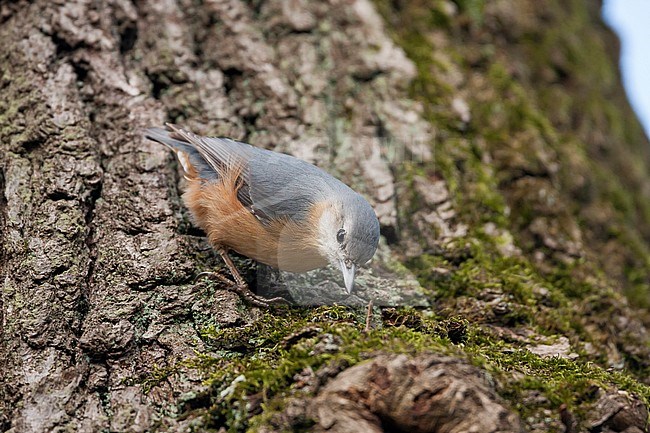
{"points": [[348, 234]]}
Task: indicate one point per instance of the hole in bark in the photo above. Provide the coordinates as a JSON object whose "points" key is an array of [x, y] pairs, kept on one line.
{"points": [[81, 69], [232, 76], [250, 119], [390, 233], [32, 143], [563, 75], [62, 46], [60, 195], [200, 401], [128, 36], [186, 228], [389, 426], [159, 83]]}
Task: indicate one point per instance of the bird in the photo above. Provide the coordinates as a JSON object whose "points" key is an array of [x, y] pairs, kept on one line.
{"points": [[271, 207]]}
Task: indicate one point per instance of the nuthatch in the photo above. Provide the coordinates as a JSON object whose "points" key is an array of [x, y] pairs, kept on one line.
{"points": [[271, 207]]}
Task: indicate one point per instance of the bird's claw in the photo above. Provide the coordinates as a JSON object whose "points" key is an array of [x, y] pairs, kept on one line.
{"points": [[243, 291], [206, 274], [256, 300]]}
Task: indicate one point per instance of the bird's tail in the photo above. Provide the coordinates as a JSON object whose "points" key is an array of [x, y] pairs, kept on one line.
{"points": [[194, 166]]}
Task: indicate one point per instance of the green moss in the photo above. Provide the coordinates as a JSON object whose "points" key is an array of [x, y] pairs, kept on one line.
{"points": [[601, 119], [156, 376], [282, 344], [561, 381], [473, 9], [241, 385]]}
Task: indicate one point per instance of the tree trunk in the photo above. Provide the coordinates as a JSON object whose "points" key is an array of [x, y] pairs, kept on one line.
{"points": [[493, 140]]}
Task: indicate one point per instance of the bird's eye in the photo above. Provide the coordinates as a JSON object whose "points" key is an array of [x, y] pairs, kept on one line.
{"points": [[340, 236]]}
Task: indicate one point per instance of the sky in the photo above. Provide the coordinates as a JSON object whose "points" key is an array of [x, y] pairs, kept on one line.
{"points": [[631, 20]]}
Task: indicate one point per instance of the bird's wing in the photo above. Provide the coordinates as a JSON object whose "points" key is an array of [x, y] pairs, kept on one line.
{"points": [[279, 186], [274, 186]]}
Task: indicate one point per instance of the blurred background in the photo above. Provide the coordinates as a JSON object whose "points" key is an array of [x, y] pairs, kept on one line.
{"points": [[629, 18]]}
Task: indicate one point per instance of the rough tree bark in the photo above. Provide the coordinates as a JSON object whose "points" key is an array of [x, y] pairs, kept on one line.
{"points": [[103, 327]]}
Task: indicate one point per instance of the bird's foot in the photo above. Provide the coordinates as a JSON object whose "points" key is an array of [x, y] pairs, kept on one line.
{"points": [[243, 291]]}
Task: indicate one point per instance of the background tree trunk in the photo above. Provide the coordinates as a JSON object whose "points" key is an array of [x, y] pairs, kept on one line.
{"points": [[493, 140]]}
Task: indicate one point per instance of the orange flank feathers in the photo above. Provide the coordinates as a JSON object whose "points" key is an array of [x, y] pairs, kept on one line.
{"points": [[282, 244]]}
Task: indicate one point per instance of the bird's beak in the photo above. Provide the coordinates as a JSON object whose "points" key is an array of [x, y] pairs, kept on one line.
{"points": [[348, 275]]}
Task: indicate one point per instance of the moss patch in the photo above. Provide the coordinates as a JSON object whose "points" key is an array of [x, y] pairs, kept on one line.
{"points": [[247, 389], [532, 162]]}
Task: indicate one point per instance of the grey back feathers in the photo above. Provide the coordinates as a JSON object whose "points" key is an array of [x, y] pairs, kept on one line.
{"points": [[283, 186]]}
